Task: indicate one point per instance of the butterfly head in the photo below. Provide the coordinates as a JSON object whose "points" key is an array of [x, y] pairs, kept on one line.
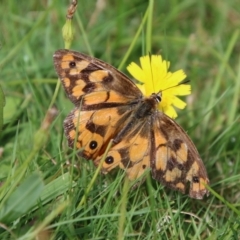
{"points": [[157, 97]]}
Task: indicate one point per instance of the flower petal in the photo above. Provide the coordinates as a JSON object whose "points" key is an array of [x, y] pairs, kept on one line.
{"points": [[142, 88], [179, 103], [176, 77], [136, 72], [170, 111]]}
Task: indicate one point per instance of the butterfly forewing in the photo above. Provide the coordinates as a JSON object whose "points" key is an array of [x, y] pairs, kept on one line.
{"points": [[93, 81]]}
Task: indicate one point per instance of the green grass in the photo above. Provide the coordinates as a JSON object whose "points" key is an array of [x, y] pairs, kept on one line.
{"points": [[45, 188]]}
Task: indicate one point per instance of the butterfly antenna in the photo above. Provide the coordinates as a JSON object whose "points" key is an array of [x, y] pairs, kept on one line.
{"points": [[150, 57]]}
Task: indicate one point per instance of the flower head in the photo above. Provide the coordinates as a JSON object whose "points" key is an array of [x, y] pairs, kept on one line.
{"points": [[154, 77]]}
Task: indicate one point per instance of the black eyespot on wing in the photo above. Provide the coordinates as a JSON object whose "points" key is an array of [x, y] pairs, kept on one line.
{"points": [[109, 160], [93, 145], [195, 179], [72, 64]]}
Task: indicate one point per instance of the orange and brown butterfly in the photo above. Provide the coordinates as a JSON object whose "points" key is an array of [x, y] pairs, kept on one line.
{"points": [[108, 105]]}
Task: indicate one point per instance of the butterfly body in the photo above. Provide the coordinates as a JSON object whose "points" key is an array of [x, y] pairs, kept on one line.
{"points": [[108, 105]]}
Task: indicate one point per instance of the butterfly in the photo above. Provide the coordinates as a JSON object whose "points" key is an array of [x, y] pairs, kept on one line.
{"points": [[108, 105]]}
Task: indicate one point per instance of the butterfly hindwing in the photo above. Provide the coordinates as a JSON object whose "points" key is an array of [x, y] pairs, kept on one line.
{"points": [[130, 150], [175, 160]]}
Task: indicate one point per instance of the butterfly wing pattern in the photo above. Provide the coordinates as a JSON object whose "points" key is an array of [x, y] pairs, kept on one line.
{"points": [[108, 105]]}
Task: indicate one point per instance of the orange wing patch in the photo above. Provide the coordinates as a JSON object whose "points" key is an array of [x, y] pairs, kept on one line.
{"points": [[80, 65], [98, 76]]}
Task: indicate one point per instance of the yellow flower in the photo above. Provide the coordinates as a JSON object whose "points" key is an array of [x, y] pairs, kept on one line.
{"points": [[154, 77]]}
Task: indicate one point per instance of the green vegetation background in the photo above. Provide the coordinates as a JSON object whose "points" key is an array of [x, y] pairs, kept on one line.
{"points": [[46, 192]]}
